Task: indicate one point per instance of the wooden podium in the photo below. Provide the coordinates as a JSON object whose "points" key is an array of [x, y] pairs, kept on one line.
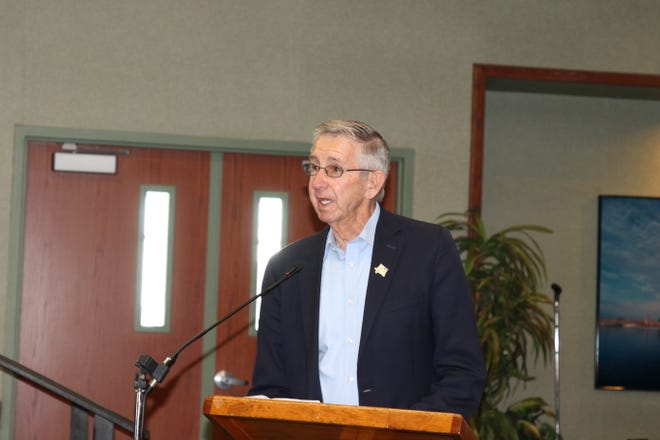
{"points": [[244, 418]]}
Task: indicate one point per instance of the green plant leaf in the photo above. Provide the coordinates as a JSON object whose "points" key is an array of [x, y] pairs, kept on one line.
{"points": [[506, 272]]}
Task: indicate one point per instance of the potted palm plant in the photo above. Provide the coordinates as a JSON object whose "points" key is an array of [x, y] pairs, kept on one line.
{"points": [[505, 271]]}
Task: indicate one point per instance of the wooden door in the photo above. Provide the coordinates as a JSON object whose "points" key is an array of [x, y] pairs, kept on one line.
{"points": [[243, 175], [78, 292], [79, 287]]}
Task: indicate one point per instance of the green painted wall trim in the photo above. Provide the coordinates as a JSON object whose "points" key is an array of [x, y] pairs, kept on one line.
{"points": [[211, 286]]}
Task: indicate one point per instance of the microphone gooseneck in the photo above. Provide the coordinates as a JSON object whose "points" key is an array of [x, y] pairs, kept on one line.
{"points": [[155, 373], [169, 361], [288, 274]]}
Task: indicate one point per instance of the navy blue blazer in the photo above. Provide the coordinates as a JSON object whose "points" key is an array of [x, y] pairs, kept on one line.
{"points": [[419, 347]]}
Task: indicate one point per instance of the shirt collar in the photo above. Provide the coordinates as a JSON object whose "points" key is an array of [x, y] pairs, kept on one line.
{"points": [[367, 234]]}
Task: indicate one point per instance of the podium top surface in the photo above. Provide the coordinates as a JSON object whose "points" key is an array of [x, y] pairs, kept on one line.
{"points": [[245, 418]]}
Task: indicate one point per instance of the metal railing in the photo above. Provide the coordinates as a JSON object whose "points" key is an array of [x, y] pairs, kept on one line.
{"points": [[105, 420]]}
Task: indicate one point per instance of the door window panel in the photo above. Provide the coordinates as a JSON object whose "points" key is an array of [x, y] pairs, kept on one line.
{"points": [[154, 272], [269, 237]]}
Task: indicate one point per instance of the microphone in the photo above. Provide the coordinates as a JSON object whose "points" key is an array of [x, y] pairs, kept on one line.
{"points": [[158, 372], [556, 288]]}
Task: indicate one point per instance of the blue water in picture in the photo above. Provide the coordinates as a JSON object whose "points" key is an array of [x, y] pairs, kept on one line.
{"points": [[629, 293], [629, 357]]}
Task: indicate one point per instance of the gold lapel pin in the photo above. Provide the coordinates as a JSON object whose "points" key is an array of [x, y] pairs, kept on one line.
{"points": [[381, 270]]}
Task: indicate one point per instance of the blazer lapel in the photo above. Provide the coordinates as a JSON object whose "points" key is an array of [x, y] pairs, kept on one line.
{"points": [[387, 249], [310, 293]]}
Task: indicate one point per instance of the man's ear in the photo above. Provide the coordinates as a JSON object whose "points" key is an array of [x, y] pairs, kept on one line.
{"points": [[376, 181]]}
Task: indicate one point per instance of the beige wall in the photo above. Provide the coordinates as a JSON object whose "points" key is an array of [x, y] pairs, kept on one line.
{"points": [[547, 159], [273, 69]]}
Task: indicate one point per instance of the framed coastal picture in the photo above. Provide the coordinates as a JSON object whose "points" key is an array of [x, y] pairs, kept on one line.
{"points": [[628, 314]]}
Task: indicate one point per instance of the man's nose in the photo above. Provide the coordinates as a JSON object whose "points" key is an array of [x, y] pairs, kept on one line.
{"points": [[319, 180]]}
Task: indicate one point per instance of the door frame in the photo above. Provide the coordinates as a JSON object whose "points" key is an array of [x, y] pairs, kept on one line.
{"points": [[404, 157]]}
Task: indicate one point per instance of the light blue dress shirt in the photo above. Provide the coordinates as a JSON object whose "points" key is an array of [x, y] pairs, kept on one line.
{"points": [[344, 280]]}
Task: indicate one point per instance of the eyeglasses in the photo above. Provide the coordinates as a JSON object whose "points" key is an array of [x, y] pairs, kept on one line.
{"points": [[334, 171]]}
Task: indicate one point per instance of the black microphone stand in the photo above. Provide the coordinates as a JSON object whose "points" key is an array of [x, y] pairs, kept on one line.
{"points": [[557, 291], [150, 373]]}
